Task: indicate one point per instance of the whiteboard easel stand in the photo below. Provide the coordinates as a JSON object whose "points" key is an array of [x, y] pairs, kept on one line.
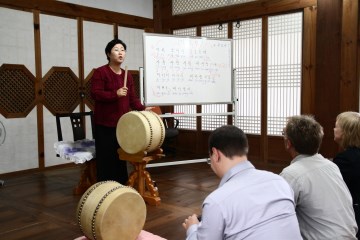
{"points": [[235, 100], [141, 81]]}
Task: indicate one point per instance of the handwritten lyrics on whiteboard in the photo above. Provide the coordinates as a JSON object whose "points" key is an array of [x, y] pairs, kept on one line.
{"points": [[187, 70]]}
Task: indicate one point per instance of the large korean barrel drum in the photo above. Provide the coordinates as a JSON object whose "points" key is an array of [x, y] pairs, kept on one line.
{"points": [[138, 131], [111, 211]]}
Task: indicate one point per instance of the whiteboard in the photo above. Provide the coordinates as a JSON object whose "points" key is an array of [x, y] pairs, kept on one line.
{"points": [[187, 70]]}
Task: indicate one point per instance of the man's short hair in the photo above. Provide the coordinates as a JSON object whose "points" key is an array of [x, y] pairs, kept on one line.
{"points": [[230, 140], [111, 44], [349, 122], [304, 133]]}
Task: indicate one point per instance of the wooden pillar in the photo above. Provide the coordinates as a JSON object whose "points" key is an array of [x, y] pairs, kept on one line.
{"points": [[349, 83], [328, 55], [38, 89]]}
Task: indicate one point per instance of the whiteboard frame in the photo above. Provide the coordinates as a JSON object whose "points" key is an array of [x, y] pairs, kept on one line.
{"points": [[145, 97]]}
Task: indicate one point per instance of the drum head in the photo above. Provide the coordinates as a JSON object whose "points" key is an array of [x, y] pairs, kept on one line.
{"points": [[140, 131], [123, 218], [133, 132], [111, 211]]}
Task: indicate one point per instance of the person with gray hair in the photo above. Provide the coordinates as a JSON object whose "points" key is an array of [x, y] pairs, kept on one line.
{"points": [[347, 135], [323, 201], [249, 203]]}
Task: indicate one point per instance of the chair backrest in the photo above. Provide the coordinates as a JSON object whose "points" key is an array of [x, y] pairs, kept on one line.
{"points": [[170, 124], [77, 124]]}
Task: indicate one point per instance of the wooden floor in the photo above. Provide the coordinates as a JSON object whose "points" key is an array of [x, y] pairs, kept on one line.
{"points": [[41, 206]]}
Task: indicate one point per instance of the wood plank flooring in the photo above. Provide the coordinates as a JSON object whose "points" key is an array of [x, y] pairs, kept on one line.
{"points": [[41, 206]]}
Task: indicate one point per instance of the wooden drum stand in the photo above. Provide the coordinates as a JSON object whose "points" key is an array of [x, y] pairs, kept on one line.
{"points": [[145, 185], [87, 178]]}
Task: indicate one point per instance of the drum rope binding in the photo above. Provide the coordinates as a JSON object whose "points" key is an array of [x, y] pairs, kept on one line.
{"points": [[162, 129], [151, 131], [84, 200]]}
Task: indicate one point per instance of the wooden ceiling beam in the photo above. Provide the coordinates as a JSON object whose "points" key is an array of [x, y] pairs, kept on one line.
{"points": [[235, 12], [74, 11]]}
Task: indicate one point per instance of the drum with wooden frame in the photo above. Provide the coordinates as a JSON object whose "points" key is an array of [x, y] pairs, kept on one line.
{"points": [[111, 211], [139, 131]]}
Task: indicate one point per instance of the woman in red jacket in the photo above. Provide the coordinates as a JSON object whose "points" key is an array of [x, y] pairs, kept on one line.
{"points": [[112, 100]]}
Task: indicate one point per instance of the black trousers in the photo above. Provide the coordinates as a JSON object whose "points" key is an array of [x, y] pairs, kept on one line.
{"points": [[108, 164]]}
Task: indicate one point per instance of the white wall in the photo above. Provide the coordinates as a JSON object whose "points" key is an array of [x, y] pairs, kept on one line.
{"points": [[59, 47], [135, 51], [141, 8], [20, 150], [96, 36]]}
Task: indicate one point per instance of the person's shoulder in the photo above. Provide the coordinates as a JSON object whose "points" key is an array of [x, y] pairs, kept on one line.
{"points": [[348, 153], [102, 68], [351, 155], [293, 171], [101, 71], [289, 168], [267, 176], [265, 173]]}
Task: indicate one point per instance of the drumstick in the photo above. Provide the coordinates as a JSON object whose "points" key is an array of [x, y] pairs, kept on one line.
{"points": [[125, 80]]}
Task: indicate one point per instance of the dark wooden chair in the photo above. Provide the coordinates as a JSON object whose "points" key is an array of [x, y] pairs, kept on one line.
{"points": [[88, 174], [171, 132]]}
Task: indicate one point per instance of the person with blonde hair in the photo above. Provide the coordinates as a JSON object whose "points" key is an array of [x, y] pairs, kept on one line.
{"points": [[347, 135]]}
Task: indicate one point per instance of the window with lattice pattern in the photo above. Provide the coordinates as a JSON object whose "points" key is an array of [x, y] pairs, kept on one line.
{"points": [[284, 72], [284, 69], [211, 122], [247, 63], [188, 6]]}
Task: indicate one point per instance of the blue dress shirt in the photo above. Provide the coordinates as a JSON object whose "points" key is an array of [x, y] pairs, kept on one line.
{"points": [[248, 204]]}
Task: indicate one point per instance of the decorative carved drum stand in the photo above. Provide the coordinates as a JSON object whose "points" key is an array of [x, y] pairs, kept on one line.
{"points": [[87, 178], [145, 185]]}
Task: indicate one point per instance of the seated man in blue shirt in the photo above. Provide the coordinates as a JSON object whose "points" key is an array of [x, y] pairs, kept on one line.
{"points": [[249, 203]]}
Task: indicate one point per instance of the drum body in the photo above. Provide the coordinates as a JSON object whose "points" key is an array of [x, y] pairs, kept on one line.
{"points": [[138, 131], [111, 211]]}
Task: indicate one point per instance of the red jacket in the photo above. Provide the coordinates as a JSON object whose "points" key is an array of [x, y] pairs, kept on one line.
{"points": [[108, 106]]}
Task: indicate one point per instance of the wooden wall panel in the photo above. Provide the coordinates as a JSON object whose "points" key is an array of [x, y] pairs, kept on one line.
{"points": [[277, 153], [264, 91], [309, 61], [328, 54], [162, 13], [255, 148], [231, 13], [349, 84], [17, 92], [188, 142]]}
